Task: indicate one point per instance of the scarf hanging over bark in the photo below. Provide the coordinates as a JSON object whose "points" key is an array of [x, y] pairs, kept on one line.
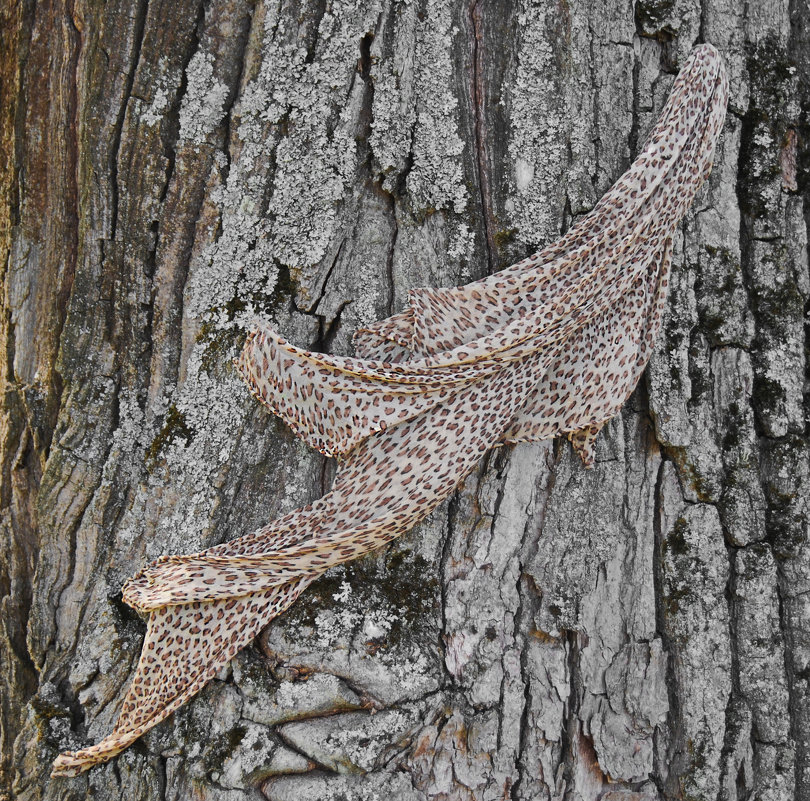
{"points": [[552, 345]]}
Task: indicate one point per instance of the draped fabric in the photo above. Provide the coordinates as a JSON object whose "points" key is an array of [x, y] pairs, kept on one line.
{"points": [[551, 345]]}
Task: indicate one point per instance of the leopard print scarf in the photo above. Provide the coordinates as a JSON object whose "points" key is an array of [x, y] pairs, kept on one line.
{"points": [[551, 345]]}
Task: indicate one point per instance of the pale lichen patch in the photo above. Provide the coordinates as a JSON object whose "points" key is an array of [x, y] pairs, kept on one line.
{"points": [[538, 136], [436, 180], [318, 101], [203, 106], [394, 105], [416, 113], [155, 111]]}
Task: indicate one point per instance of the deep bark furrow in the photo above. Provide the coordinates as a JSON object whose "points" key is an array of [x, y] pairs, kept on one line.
{"points": [[477, 57]]}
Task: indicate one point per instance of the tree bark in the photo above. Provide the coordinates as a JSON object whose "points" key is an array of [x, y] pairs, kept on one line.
{"points": [[170, 170]]}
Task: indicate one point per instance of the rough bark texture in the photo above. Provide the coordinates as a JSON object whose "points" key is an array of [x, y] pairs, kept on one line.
{"points": [[170, 168]]}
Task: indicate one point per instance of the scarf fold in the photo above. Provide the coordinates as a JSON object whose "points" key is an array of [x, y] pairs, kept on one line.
{"points": [[551, 345]]}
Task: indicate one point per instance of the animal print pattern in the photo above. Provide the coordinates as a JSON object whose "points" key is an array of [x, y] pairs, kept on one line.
{"points": [[551, 345]]}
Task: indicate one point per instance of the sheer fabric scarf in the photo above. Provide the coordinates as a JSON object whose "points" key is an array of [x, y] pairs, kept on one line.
{"points": [[552, 345]]}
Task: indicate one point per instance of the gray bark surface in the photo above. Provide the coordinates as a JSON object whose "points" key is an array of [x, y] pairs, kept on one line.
{"points": [[170, 170]]}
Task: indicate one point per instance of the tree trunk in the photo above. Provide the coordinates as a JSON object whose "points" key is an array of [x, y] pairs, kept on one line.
{"points": [[171, 169]]}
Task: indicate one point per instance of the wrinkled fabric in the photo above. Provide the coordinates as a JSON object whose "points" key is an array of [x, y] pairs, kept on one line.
{"points": [[551, 345]]}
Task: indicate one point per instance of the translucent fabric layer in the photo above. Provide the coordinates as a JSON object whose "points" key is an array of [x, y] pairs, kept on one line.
{"points": [[552, 345]]}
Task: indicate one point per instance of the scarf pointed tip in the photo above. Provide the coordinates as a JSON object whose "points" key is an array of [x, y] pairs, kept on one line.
{"points": [[706, 49], [68, 765], [708, 58], [705, 52]]}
